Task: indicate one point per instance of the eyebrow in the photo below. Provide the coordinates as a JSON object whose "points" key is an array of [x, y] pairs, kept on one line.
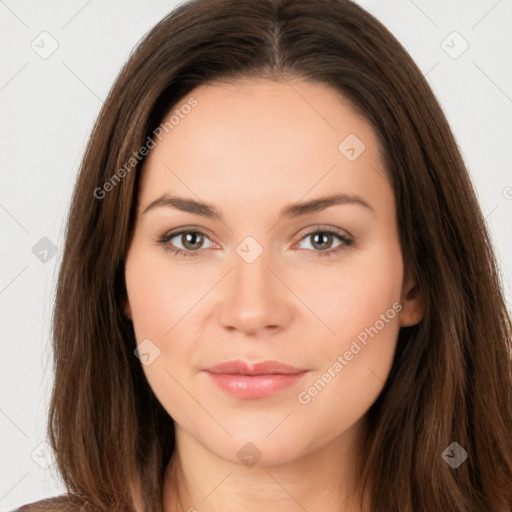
{"points": [[292, 210]]}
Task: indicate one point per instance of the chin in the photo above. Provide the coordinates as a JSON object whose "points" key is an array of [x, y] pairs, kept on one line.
{"points": [[250, 447]]}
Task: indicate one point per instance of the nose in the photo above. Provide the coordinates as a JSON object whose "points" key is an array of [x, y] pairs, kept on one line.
{"points": [[255, 298]]}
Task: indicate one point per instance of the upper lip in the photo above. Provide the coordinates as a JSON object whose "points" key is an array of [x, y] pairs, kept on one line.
{"points": [[239, 367]]}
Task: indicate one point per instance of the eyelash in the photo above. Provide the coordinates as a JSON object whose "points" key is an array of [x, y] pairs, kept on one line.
{"points": [[166, 237]]}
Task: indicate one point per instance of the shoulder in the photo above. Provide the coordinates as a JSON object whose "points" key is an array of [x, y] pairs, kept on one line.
{"points": [[62, 503]]}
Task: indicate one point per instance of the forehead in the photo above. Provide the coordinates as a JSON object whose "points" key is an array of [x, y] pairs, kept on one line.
{"points": [[259, 138]]}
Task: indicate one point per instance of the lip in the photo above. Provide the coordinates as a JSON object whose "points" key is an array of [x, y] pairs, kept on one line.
{"points": [[240, 367], [254, 380]]}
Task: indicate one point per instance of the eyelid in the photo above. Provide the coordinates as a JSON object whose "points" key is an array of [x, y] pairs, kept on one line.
{"points": [[324, 227], [194, 229], [309, 230]]}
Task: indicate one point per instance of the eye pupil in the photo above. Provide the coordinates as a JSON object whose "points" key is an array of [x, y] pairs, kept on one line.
{"points": [[190, 237], [323, 237]]}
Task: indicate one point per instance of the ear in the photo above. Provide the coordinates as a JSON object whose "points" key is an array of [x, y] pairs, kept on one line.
{"points": [[413, 304]]}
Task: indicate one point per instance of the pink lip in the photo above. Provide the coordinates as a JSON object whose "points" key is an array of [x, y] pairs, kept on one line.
{"points": [[254, 380]]}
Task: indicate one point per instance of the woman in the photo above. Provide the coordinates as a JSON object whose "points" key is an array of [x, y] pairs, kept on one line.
{"points": [[277, 285]]}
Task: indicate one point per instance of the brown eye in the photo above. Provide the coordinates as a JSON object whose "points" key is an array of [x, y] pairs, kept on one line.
{"points": [[322, 241], [191, 241]]}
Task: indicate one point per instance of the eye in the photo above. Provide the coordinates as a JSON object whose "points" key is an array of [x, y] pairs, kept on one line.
{"points": [[322, 239], [191, 241]]}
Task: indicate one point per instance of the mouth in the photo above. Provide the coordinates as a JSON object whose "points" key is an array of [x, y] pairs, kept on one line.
{"points": [[254, 380]]}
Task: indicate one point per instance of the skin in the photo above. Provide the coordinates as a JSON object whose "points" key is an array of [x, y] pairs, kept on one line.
{"points": [[250, 149]]}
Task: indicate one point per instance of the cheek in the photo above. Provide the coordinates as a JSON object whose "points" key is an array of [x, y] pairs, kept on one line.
{"points": [[158, 302], [351, 295], [162, 300], [158, 294], [361, 304]]}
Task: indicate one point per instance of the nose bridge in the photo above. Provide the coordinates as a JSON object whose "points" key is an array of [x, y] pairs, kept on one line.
{"points": [[251, 273], [254, 298]]}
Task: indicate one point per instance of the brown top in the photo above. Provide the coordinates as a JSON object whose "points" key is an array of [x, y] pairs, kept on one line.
{"points": [[62, 503]]}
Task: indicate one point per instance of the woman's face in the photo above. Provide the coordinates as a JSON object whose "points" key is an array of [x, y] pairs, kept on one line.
{"points": [[319, 287]]}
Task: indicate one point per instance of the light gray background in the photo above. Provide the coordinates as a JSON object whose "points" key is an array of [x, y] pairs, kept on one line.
{"points": [[48, 106]]}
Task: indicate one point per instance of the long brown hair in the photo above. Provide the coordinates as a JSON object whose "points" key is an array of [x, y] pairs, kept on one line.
{"points": [[451, 379]]}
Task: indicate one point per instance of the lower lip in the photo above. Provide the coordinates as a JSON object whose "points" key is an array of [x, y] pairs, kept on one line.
{"points": [[254, 386]]}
